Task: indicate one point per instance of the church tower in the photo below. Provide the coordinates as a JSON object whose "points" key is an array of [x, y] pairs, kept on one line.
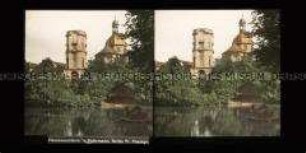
{"points": [[76, 53], [115, 26], [203, 42], [115, 46], [242, 24], [241, 45]]}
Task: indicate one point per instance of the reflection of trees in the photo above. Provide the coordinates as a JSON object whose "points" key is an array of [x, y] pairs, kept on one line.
{"points": [[226, 123], [44, 122], [172, 121], [35, 125], [105, 123], [199, 121], [185, 123]]}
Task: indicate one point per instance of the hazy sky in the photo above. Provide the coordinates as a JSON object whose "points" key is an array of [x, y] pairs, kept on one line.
{"points": [[173, 30], [45, 31]]}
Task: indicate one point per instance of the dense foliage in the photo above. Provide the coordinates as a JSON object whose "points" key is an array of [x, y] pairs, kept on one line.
{"points": [[140, 31], [45, 86], [173, 86], [230, 76], [266, 25]]}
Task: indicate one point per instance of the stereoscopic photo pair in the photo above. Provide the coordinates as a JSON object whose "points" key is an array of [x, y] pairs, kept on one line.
{"points": [[108, 76]]}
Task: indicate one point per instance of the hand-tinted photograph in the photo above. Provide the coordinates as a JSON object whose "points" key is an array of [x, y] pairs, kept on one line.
{"points": [[86, 73], [216, 73], [90, 74]]}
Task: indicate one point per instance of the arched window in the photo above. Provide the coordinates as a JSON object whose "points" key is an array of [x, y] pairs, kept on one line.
{"points": [[74, 75], [201, 74]]}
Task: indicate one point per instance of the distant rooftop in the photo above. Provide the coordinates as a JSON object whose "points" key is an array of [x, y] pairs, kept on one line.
{"points": [[205, 30], [78, 32]]}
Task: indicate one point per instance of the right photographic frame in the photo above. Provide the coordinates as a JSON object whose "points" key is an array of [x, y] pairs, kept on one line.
{"points": [[217, 73]]}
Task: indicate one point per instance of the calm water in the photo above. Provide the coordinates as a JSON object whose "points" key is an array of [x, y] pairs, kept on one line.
{"points": [[168, 121], [102, 123], [205, 122]]}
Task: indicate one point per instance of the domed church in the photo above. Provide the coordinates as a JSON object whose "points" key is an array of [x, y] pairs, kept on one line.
{"points": [[115, 46], [242, 44]]}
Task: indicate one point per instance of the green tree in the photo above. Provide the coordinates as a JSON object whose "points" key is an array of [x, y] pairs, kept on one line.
{"points": [[175, 87], [266, 24], [140, 30]]}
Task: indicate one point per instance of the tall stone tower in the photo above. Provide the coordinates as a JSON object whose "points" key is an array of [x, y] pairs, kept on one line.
{"points": [[76, 53], [203, 42]]}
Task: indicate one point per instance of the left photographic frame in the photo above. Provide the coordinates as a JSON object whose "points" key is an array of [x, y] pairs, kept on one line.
{"points": [[89, 75]]}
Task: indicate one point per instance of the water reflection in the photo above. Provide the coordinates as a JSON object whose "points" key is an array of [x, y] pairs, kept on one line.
{"points": [[74, 122], [206, 122]]}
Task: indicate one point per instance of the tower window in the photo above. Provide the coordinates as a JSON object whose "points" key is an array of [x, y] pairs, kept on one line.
{"points": [[201, 44], [201, 59]]}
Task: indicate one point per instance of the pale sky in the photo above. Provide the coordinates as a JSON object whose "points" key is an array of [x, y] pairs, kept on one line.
{"points": [[45, 31], [173, 30]]}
